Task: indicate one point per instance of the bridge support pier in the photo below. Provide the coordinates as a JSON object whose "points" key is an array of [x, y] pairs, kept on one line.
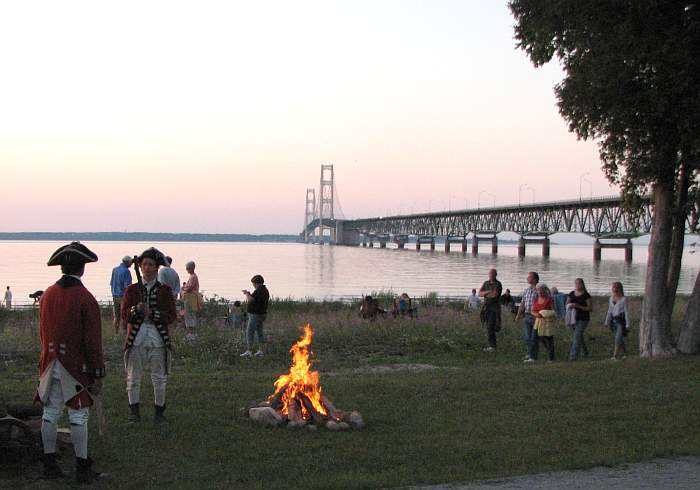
{"points": [[427, 240], [382, 239], [598, 247], [455, 239], [524, 241], [400, 241], [484, 237]]}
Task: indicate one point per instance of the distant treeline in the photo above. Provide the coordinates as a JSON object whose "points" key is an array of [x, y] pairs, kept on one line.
{"points": [[145, 237]]}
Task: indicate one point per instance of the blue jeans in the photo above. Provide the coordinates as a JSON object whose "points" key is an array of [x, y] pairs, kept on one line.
{"points": [[530, 336], [579, 343], [255, 326], [619, 334]]}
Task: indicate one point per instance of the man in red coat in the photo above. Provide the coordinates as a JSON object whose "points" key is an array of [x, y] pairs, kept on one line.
{"points": [[71, 365], [147, 308]]}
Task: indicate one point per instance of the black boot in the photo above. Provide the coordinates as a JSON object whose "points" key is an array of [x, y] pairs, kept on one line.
{"points": [[51, 468], [160, 417], [84, 472], [135, 415]]}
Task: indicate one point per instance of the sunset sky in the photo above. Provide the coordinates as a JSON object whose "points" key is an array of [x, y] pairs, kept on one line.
{"points": [[216, 116]]}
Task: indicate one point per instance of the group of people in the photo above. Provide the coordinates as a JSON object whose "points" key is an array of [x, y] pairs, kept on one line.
{"points": [[72, 363], [538, 312]]}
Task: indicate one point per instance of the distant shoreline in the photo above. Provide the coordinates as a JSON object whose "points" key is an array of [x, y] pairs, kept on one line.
{"points": [[145, 237]]}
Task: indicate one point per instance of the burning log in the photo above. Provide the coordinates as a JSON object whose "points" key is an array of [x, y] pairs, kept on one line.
{"points": [[308, 407], [294, 412], [276, 401], [332, 412]]}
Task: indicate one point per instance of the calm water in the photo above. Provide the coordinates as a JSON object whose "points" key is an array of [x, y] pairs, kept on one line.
{"points": [[299, 271]]}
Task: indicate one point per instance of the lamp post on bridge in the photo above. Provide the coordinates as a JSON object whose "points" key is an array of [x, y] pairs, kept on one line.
{"points": [[488, 194], [520, 190]]}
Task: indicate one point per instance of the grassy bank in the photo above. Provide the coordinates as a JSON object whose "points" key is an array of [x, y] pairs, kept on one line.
{"points": [[438, 408]]}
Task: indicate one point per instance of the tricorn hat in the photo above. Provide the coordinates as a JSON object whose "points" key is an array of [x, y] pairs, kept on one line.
{"points": [[153, 253], [75, 253]]}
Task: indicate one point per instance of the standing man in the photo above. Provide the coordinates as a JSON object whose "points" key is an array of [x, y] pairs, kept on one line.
{"points": [[491, 293], [71, 363], [147, 310], [525, 312], [121, 279], [257, 312], [8, 298], [190, 298], [168, 276]]}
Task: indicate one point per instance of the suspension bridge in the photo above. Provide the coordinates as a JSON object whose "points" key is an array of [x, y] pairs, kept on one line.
{"points": [[605, 219]]}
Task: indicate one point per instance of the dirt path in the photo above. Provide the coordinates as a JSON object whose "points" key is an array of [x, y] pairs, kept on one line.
{"points": [[667, 474]]}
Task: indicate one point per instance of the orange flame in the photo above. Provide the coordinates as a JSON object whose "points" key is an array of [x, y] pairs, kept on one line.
{"points": [[300, 378]]}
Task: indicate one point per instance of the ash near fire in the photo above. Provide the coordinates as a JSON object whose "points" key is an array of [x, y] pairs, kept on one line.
{"points": [[298, 399]]}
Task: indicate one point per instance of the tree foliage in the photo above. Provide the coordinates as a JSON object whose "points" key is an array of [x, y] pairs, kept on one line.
{"points": [[632, 79], [632, 83]]}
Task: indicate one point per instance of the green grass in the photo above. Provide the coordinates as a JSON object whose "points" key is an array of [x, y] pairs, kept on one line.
{"points": [[477, 416]]}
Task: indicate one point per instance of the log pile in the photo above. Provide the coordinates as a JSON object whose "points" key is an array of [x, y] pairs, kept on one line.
{"points": [[20, 437], [298, 399]]}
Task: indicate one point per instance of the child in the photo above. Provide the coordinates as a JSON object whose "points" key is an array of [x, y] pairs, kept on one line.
{"points": [[237, 317]]}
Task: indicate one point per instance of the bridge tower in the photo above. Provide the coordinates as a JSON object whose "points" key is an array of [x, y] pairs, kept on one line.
{"points": [[310, 212], [326, 201]]}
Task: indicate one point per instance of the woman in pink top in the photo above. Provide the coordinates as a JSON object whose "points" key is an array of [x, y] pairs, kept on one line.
{"points": [[190, 297]]}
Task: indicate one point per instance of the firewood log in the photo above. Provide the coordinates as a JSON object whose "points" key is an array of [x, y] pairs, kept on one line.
{"points": [[294, 411], [24, 411], [276, 400], [306, 403], [330, 408]]}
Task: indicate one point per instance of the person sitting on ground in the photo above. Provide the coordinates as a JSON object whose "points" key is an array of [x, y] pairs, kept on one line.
{"points": [[403, 307], [370, 309]]}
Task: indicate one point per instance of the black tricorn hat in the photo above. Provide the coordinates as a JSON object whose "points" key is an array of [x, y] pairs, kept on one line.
{"points": [[75, 253], [153, 253]]}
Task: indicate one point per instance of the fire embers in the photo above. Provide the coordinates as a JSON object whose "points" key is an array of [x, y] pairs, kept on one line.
{"points": [[298, 399]]}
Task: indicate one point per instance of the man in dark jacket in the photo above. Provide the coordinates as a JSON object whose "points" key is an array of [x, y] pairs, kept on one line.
{"points": [[257, 311]]}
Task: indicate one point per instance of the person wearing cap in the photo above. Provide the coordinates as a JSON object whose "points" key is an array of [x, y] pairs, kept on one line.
{"points": [[121, 279], [147, 309], [257, 311], [71, 363]]}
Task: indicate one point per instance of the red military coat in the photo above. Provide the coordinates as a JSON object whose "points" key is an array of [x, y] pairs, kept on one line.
{"points": [[70, 331], [162, 307]]}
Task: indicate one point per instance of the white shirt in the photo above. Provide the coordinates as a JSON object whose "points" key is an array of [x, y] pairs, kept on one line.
{"points": [[148, 333], [473, 302], [8, 295]]}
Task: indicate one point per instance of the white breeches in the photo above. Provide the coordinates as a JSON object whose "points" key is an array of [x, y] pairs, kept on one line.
{"points": [[53, 409], [138, 359]]}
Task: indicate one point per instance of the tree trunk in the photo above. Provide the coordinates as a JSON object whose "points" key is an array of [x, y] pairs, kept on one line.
{"points": [[655, 338], [689, 339], [680, 213]]}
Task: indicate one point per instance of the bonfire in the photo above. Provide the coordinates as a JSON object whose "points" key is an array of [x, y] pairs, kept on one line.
{"points": [[298, 399]]}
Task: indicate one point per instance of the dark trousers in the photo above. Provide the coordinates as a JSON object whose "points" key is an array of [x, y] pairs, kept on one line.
{"points": [[549, 345], [491, 327]]}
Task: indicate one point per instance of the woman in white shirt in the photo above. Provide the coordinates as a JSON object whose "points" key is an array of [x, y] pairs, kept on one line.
{"points": [[618, 318]]}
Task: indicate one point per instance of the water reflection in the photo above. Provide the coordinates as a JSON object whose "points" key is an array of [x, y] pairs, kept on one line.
{"points": [[298, 270]]}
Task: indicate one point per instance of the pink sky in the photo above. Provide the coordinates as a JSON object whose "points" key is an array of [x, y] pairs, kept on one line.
{"points": [[216, 116]]}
